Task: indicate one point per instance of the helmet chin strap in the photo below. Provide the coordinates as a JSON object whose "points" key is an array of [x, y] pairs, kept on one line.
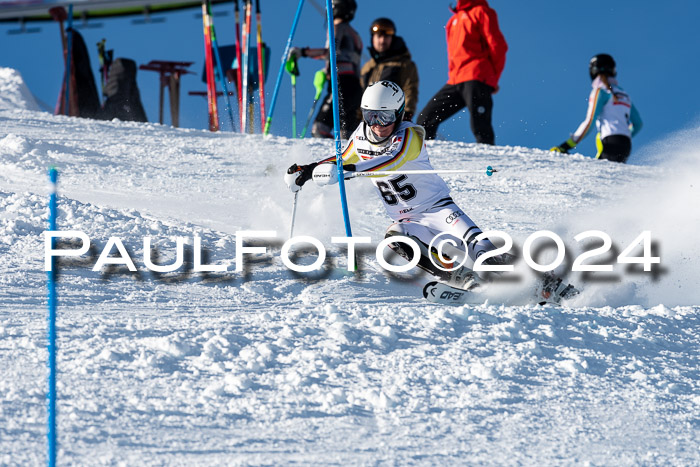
{"points": [[373, 138]]}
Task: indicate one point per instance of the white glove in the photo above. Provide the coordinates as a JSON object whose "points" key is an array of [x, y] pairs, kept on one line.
{"points": [[291, 180], [325, 174]]}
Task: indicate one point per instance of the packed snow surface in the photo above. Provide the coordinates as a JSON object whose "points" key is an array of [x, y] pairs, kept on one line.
{"points": [[272, 367]]}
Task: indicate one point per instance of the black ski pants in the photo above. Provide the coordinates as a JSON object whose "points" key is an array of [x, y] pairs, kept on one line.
{"points": [[350, 97], [452, 98], [616, 148]]}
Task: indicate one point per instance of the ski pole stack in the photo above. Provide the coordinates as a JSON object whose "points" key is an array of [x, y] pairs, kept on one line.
{"points": [[239, 82], [246, 65], [261, 65], [209, 63], [219, 66]]}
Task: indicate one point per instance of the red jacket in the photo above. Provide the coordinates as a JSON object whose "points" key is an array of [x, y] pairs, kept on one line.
{"points": [[476, 49]]}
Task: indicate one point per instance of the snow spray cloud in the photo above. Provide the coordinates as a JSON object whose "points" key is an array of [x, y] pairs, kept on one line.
{"points": [[669, 207]]}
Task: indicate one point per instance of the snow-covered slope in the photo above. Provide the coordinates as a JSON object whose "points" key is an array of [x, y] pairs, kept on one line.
{"points": [[270, 367]]}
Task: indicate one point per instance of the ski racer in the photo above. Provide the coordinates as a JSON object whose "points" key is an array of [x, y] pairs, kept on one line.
{"points": [[391, 61], [419, 204], [348, 56], [612, 110]]}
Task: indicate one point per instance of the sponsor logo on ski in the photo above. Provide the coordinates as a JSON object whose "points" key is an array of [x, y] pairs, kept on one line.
{"points": [[447, 295]]}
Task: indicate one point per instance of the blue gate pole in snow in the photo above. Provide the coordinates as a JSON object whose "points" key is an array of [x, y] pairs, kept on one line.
{"points": [[219, 66], [69, 50], [336, 118], [281, 73], [51, 334]]}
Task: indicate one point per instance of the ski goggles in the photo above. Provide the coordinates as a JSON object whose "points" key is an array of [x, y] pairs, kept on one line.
{"points": [[378, 117], [383, 29]]}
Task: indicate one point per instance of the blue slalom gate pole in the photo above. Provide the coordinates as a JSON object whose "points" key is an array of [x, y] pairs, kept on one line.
{"points": [[219, 66], [336, 118], [51, 334], [281, 73], [69, 50]]}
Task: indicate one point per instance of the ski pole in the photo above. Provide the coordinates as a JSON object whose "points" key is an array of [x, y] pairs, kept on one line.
{"points": [[239, 83], [69, 59], [320, 79], [336, 118], [292, 68], [294, 106], [261, 65], [283, 61], [246, 64], [101, 58], [219, 65], [209, 63], [51, 333], [489, 171], [294, 214]]}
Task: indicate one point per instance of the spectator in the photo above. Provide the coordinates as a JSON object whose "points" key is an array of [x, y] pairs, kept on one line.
{"points": [[476, 53], [391, 61], [348, 54], [616, 117]]}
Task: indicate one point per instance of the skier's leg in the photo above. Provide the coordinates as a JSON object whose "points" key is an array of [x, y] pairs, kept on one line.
{"points": [[616, 148], [422, 236], [448, 219], [323, 124], [477, 95], [444, 104]]}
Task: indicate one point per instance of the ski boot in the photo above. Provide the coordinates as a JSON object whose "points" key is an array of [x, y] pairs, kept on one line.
{"points": [[552, 289]]}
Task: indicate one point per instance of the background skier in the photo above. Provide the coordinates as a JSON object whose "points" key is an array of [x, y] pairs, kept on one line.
{"points": [[348, 56], [611, 108]]}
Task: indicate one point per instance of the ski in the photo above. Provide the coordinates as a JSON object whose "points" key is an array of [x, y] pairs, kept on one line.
{"points": [[439, 292], [551, 290]]}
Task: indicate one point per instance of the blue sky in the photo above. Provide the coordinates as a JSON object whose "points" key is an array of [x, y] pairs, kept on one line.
{"points": [[543, 88]]}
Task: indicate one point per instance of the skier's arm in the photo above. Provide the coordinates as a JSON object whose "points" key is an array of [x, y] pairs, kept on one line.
{"points": [[635, 120], [408, 148], [409, 84], [298, 175], [596, 102], [494, 39]]}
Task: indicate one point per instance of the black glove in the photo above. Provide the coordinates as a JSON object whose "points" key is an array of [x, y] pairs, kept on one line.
{"points": [[297, 52], [303, 174], [565, 146]]}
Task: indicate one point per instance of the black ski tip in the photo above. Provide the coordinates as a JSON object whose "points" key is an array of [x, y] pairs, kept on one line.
{"points": [[427, 286]]}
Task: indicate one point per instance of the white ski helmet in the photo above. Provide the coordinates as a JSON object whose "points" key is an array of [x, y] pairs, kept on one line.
{"points": [[383, 103]]}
